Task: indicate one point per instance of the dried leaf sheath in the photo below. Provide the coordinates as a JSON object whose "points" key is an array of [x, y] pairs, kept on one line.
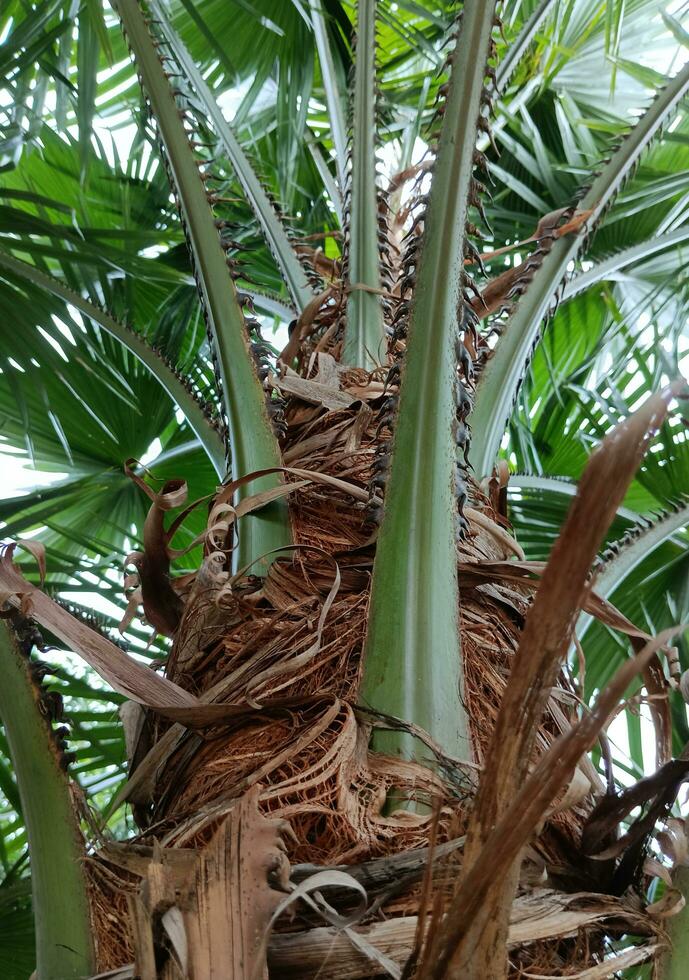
{"points": [[217, 908]]}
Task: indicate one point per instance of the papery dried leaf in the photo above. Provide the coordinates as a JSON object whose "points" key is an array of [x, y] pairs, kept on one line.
{"points": [[123, 673], [257, 500], [315, 393], [38, 551], [132, 717], [673, 841], [577, 790], [138, 789], [133, 603], [162, 605], [671, 902], [121, 973], [499, 533], [229, 489], [310, 891], [654, 869], [172, 922], [303, 326], [173, 494]]}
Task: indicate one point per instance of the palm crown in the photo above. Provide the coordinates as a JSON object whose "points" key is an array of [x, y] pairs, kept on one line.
{"points": [[443, 178]]}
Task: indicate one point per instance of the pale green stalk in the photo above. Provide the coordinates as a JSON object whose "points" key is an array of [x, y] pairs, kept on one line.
{"points": [[364, 340], [413, 665], [252, 441], [673, 964], [64, 947]]}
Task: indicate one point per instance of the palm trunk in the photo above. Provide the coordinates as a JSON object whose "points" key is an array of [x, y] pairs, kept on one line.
{"points": [[302, 746], [356, 579]]}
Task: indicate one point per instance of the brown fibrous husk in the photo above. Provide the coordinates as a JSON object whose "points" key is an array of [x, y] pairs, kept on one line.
{"points": [[312, 761]]}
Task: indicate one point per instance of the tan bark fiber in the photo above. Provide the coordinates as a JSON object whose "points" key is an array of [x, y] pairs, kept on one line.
{"points": [[258, 711], [300, 747]]}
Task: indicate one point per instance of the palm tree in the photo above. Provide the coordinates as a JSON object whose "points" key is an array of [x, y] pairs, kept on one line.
{"points": [[375, 640]]}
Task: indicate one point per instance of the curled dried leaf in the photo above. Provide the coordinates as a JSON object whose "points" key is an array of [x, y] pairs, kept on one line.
{"points": [[654, 869], [672, 902], [674, 841]]}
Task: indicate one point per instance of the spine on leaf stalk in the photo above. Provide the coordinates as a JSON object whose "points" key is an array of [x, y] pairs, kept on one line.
{"points": [[623, 556], [413, 655], [544, 271], [273, 230], [60, 900], [252, 442]]}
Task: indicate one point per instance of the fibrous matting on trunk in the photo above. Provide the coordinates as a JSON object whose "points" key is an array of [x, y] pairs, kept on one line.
{"points": [[305, 738]]}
